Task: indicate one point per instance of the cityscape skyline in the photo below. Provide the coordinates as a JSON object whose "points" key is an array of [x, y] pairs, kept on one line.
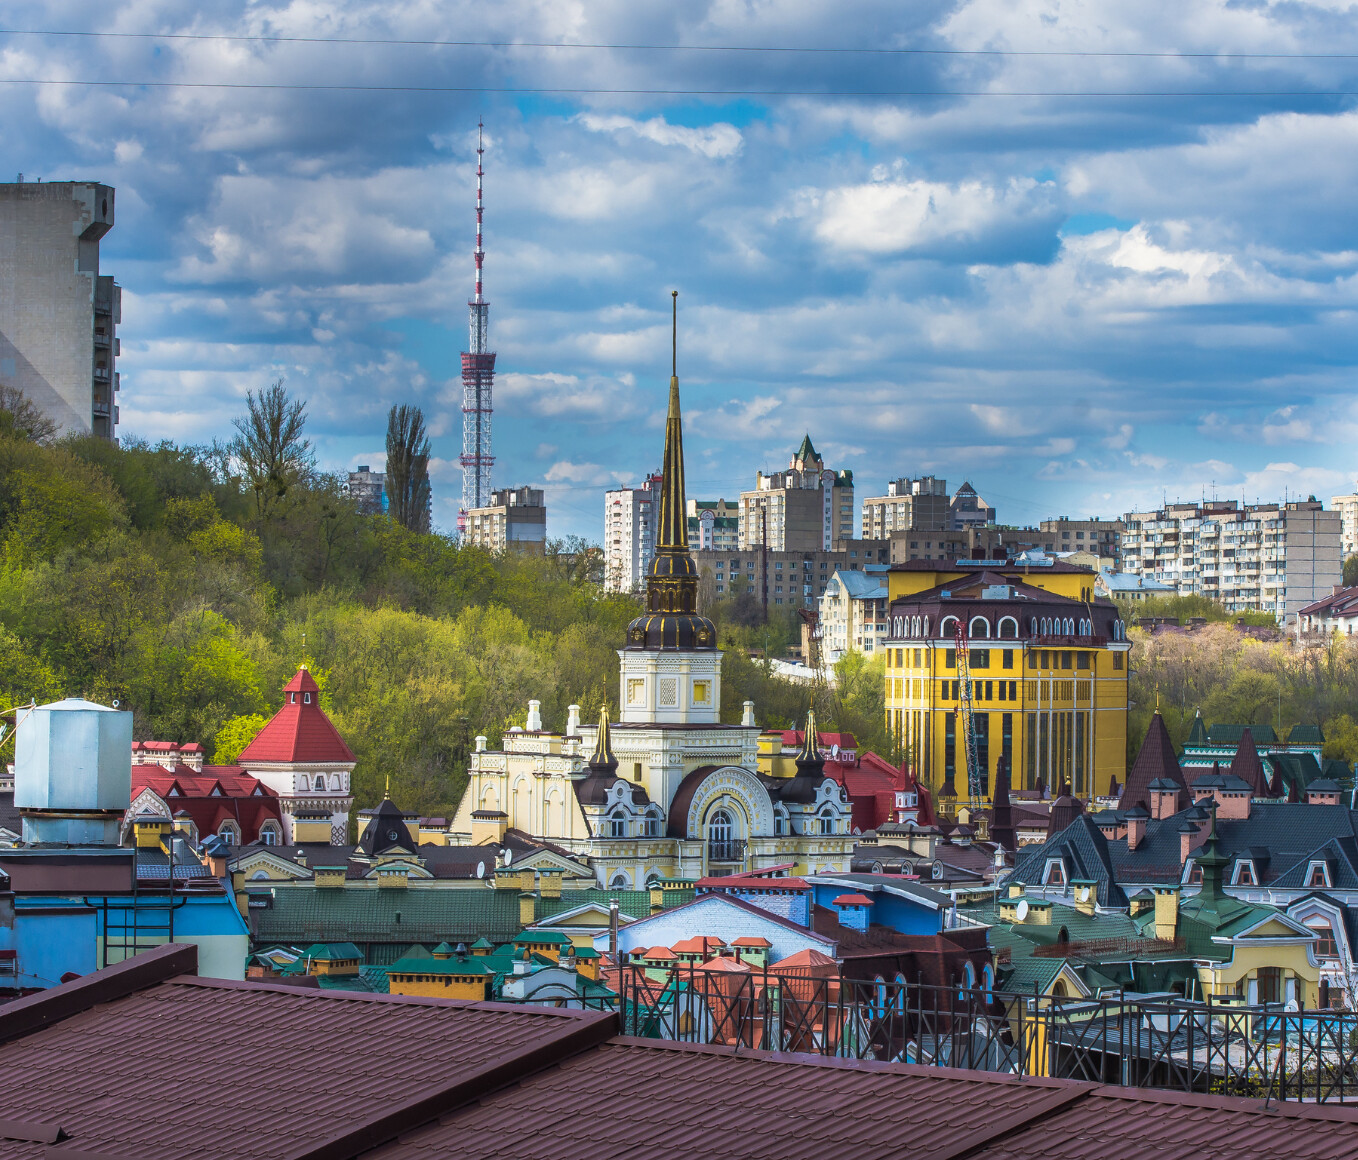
{"points": [[1081, 307]]}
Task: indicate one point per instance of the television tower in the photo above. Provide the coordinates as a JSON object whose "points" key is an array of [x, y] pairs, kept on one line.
{"points": [[478, 376]]}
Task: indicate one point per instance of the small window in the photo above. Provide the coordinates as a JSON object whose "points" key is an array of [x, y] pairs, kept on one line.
{"points": [[292, 698], [1032, 660], [306, 698], [1244, 874], [1082, 660], [1318, 875], [1325, 944], [1008, 662], [1055, 874], [617, 824], [1117, 660]]}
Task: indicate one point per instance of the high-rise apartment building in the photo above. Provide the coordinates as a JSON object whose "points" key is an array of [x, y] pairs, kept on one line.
{"points": [[1274, 558], [1347, 507], [786, 579], [629, 534], [514, 520], [909, 505], [368, 489], [58, 314], [1102, 538], [713, 524], [806, 508]]}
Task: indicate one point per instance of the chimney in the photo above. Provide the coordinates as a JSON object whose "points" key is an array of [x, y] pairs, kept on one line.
{"points": [[1166, 912], [1084, 895], [527, 908], [1188, 832], [1136, 827], [551, 884], [657, 899]]}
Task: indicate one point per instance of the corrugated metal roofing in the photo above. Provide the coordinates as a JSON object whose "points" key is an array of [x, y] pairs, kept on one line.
{"points": [[114, 1076]]}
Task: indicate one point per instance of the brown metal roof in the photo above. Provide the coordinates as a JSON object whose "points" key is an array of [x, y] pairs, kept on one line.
{"points": [[143, 1059]]}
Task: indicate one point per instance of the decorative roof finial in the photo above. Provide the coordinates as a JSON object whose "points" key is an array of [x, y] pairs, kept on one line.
{"points": [[809, 759], [603, 756], [386, 794]]}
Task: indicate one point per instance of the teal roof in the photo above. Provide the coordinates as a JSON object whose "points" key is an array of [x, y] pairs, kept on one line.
{"points": [[554, 937], [329, 952], [432, 966], [1224, 733], [587, 953], [483, 944], [368, 917]]}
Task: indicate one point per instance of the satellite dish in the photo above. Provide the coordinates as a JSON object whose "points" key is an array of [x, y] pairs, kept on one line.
{"points": [[509, 855], [1022, 911], [480, 869], [1291, 1006]]}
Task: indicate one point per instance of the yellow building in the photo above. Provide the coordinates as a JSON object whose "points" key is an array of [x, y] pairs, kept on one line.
{"points": [[443, 975], [1047, 664]]}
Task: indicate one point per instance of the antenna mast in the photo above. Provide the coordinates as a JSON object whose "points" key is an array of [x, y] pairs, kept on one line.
{"points": [[478, 375]]}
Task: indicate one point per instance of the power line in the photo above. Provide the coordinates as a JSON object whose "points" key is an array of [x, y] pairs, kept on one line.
{"points": [[1169, 54], [846, 93]]}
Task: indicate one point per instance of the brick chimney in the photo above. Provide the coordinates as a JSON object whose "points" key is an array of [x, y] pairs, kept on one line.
{"points": [[1137, 818]]}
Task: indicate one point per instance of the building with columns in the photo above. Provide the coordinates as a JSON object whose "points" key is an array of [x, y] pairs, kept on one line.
{"points": [[300, 755], [670, 791]]}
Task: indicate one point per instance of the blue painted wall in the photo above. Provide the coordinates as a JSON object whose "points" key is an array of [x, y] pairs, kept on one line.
{"points": [[50, 940], [900, 914]]}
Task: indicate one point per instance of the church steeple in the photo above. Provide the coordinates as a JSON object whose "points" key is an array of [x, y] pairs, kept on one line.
{"points": [[603, 760], [672, 620]]}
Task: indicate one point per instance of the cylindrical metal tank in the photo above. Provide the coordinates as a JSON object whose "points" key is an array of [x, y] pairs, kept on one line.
{"points": [[73, 772]]}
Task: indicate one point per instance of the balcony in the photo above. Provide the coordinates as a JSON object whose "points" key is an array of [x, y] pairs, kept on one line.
{"points": [[731, 850]]}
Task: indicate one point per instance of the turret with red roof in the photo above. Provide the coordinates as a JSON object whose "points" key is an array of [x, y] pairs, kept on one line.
{"points": [[301, 755]]}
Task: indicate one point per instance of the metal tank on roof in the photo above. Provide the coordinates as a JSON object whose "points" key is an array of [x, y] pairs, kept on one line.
{"points": [[73, 772]]}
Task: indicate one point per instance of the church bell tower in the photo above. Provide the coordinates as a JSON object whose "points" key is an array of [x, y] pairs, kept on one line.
{"points": [[671, 666]]}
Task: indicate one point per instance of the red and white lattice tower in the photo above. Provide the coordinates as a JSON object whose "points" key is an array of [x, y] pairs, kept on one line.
{"points": [[478, 376]]}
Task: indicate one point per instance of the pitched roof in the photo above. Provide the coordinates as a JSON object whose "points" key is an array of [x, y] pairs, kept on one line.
{"points": [[1247, 767], [299, 732], [508, 1078], [1155, 761]]}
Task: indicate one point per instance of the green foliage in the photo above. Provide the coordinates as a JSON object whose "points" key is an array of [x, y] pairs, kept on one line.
{"points": [[235, 735], [1351, 571]]}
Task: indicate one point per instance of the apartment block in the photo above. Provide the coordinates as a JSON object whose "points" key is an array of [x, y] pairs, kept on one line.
{"points": [[806, 508], [1347, 507], [783, 579], [909, 505], [969, 510], [629, 534], [58, 314], [1102, 538], [368, 489], [1274, 558], [853, 612], [975, 543], [514, 520], [713, 524]]}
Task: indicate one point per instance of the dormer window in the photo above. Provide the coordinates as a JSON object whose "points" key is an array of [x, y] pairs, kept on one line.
{"points": [[1318, 875], [1055, 874], [1244, 874]]}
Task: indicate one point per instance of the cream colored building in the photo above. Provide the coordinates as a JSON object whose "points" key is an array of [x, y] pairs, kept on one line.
{"points": [[515, 518], [1347, 507], [671, 790]]}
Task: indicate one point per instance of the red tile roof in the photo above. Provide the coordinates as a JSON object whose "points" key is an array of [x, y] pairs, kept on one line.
{"points": [[852, 900], [698, 945], [750, 940], [750, 882], [240, 798], [299, 732]]}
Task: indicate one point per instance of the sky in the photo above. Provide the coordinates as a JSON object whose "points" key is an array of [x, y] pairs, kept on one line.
{"points": [[1087, 256]]}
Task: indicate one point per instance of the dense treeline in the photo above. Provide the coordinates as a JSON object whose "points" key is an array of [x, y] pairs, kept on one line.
{"points": [[188, 583]]}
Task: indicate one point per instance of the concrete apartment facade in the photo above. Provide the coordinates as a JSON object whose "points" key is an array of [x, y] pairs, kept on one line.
{"points": [[909, 505], [1102, 538], [514, 520], [1274, 558], [629, 534], [783, 579], [806, 508], [368, 489], [1347, 507], [713, 524], [58, 315], [853, 612]]}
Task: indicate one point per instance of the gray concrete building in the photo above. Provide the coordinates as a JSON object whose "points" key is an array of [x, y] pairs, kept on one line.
{"points": [[514, 520], [1103, 538], [807, 508], [1271, 557], [368, 489], [782, 579], [58, 314], [909, 505]]}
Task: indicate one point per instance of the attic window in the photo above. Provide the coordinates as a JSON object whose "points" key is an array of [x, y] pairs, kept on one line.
{"points": [[1055, 874], [1244, 874], [1318, 875], [292, 698], [306, 698]]}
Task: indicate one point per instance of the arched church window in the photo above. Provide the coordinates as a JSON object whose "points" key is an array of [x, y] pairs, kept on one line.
{"points": [[617, 824]]}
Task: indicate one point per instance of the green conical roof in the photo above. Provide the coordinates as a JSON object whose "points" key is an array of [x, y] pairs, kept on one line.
{"points": [[806, 451]]}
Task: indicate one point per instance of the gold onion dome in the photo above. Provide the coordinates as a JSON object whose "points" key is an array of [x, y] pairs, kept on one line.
{"points": [[671, 620]]}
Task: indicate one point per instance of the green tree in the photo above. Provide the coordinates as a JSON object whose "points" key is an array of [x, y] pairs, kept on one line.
{"points": [[408, 468], [234, 735], [21, 418], [270, 447], [1351, 571]]}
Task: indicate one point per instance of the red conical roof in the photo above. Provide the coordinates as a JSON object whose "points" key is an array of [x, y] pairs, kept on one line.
{"points": [[1247, 766], [299, 733]]}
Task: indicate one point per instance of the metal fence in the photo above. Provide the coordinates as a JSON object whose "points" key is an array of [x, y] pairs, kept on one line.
{"points": [[1218, 1046]]}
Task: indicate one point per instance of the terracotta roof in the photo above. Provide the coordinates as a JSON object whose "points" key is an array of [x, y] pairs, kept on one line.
{"points": [[724, 964], [807, 959], [218, 794], [852, 900], [750, 940], [698, 945], [749, 882], [298, 732]]}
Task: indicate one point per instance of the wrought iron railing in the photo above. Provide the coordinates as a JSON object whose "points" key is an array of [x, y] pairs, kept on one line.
{"points": [[731, 850], [1218, 1045]]}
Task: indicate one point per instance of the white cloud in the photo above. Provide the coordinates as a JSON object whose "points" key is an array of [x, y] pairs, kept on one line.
{"points": [[711, 141]]}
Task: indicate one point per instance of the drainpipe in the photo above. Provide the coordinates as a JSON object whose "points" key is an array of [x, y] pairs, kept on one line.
{"points": [[613, 930]]}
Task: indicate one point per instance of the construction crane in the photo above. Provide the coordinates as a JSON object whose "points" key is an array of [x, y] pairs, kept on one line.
{"points": [[975, 775]]}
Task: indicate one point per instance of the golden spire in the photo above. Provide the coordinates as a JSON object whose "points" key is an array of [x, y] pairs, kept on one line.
{"points": [[809, 757], [671, 534], [386, 795], [603, 756]]}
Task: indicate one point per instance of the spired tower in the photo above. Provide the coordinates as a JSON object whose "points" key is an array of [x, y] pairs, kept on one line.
{"points": [[671, 667], [478, 377]]}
